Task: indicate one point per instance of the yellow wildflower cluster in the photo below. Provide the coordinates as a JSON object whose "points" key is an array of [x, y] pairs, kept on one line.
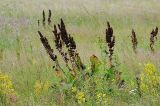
{"points": [[6, 86], [100, 97], [150, 79], [74, 89], [80, 96], [41, 87], [149, 69]]}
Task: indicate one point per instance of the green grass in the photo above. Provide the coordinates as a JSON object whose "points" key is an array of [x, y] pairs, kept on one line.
{"points": [[85, 21]]}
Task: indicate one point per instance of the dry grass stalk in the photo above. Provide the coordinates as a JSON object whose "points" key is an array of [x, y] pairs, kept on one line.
{"points": [[153, 36], [134, 41], [110, 40]]}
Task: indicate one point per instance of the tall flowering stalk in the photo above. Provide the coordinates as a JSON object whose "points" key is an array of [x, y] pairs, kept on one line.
{"points": [[49, 17], [58, 44], [153, 36], [68, 52], [49, 50], [110, 40], [62, 37], [47, 46], [44, 18], [134, 41]]}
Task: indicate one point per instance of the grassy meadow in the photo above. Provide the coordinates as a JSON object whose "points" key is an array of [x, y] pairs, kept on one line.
{"points": [[27, 76]]}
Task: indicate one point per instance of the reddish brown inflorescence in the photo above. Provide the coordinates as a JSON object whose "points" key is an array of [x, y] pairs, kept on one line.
{"points": [[110, 40]]}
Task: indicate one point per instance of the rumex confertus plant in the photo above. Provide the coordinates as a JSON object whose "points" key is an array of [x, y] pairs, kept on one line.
{"points": [[49, 50], [134, 41], [58, 45], [44, 18], [65, 45], [47, 46], [153, 36], [49, 17], [62, 37], [110, 40]]}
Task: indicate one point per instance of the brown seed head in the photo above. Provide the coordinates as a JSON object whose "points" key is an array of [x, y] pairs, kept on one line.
{"points": [[47, 46]]}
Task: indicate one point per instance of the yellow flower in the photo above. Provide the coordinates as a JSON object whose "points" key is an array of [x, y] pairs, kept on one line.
{"points": [[149, 79], [6, 85], [149, 69], [100, 97], [103, 95], [80, 97], [143, 87], [40, 87], [74, 89]]}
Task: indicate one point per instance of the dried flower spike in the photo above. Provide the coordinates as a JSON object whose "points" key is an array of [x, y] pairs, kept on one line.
{"points": [[110, 40], [63, 37], [44, 18], [58, 44], [156, 32], [153, 35], [47, 46], [64, 34], [49, 17], [134, 41]]}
